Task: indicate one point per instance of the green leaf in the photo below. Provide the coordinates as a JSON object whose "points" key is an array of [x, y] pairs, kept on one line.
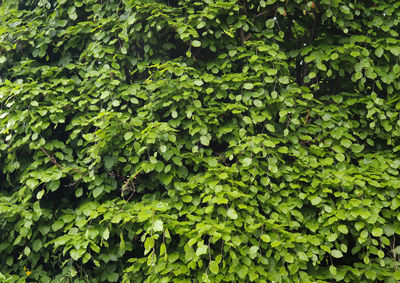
{"points": [[276, 244], [201, 249], [336, 253], [40, 194], [76, 254], [166, 179], [109, 161], [365, 214], [248, 86], [343, 229], [289, 258], [396, 275], [332, 270], [32, 183], [265, 238], [158, 225], [113, 277], [198, 82], [315, 200], [149, 243], [204, 140], [345, 9], [98, 191], [242, 271], [53, 185], [270, 23], [187, 198], [27, 251], [302, 255], [340, 157], [214, 268], [79, 192], [128, 135], [196, 43], [370, 274], [253, 251], [257, 103], [284, 80], [232, 213], [144, 214], [307, 96], [57, 225], [334, 56], [270, 128], [379, 51], [247, 161], [395, 50], [106, 234], [37, 245], [377, 232], [346, 142]]}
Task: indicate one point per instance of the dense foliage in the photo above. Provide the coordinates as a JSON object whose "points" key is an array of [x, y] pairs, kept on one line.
{"points": [[199, 140]]}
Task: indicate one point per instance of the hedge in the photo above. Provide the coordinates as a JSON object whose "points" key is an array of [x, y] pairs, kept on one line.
{"points": [[199, 141]]}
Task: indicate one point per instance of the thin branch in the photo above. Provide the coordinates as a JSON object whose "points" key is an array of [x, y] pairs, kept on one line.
{"points": [[52, 159]]}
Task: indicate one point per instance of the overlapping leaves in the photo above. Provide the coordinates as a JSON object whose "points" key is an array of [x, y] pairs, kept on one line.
{"points": [[199, 140]]}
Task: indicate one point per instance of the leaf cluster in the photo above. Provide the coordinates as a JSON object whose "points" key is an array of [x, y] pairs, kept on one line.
{"points": [[199, 141]]}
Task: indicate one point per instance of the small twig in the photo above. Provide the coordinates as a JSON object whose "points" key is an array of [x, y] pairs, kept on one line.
{"points": [[393, 247], [308, 116], [52, 159], [262, 13], [259, 240]]}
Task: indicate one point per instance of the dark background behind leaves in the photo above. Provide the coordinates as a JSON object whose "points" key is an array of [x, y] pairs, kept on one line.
{"points": [[199, 141]]}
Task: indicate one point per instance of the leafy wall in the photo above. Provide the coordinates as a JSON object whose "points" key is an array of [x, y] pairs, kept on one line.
{"points": [[199, 141]]}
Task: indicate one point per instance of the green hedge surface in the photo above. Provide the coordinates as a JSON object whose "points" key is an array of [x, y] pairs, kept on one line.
{"points": [[199, 141]]}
